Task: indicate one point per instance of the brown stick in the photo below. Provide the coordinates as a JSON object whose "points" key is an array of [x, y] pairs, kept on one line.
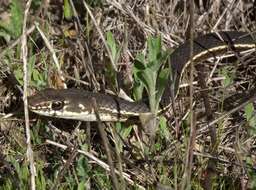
{"points": [[211, 167], [105, 141], [186, 183]]}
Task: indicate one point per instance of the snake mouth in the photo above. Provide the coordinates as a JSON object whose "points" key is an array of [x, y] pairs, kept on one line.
{"points": [[38, 107]]}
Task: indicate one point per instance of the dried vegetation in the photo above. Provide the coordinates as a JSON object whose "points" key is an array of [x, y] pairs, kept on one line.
{"points": [[89, 46]]}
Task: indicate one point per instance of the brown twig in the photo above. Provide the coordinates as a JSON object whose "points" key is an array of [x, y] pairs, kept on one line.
{"points": [[105, 141], [211, 167], [186, 184]]}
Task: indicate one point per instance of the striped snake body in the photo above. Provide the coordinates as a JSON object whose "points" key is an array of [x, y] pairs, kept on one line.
{"points": [[78, 104]]}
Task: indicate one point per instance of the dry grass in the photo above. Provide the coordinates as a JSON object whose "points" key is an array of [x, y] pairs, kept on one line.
{"points": [[73, 53]]}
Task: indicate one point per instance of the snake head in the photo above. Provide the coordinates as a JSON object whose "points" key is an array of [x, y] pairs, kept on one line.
{"points": [[74, 104], [46, 102]]}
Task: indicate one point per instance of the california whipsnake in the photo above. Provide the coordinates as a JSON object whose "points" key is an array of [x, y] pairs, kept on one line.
{"points": [[77, 104]]}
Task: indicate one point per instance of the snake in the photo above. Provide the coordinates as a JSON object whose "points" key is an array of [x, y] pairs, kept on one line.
{"points": [[78, 104]]}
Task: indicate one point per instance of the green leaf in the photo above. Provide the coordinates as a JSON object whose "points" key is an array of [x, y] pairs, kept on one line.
{"points": [[114, 48], [82, 167], [115, 51], [16, 18], [252, 122], [161, 83], [157, 146], [138, 89], [18, 73], [249, 109], [13, 26], [228, 74], [81, 185], [148, 80], [164, 129], [250, 115], [126, 131], [140, 58], [5, 35], [146, 70], [139, 65], [68, 13], [154, 48]]}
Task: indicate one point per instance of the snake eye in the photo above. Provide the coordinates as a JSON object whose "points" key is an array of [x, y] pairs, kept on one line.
{"points": [[58, 105]]}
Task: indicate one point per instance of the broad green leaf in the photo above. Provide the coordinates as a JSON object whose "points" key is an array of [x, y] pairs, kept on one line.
{"points": [[141, 58], [154, 48], [139, 66], [138, 89], [148, 80], [115, 50], [146, 71]]}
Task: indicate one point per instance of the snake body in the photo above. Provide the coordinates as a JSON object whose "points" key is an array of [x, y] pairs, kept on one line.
{"points": [[79, 104]]}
